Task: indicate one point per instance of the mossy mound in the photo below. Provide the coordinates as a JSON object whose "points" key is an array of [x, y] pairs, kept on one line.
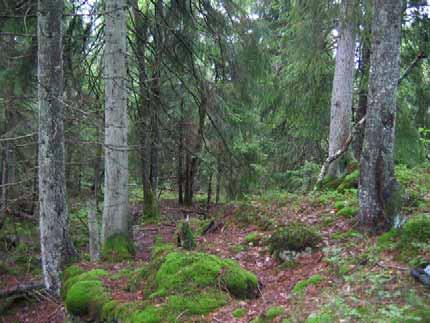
{"points": [[196, 271], [416, 231], [86, 298], [71, 271], [118, 247], [293, 237], [69, 281]]}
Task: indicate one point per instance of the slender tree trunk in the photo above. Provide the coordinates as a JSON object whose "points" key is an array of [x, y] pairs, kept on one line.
{"points": [[180, 172], [115, 211], [379, 192], [93, 223], [156, 94], [341, 100], [362, 99], [208, 202], [141, 31], [56, 246], [218, 182]]}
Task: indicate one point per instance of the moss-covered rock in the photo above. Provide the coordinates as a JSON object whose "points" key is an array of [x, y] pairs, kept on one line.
{"points": [[118, 247], [294, 237], [91, 275], [86, 298], [71, 271], [198, 304], [195, 271]]}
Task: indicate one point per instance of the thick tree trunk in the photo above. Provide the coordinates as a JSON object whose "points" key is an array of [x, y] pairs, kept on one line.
{"points": [[379, 192], [341, 100], [115, 211], [56, 245]]}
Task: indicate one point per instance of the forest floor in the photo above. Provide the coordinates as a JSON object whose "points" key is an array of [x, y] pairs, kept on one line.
{"points": [[350, 277]]}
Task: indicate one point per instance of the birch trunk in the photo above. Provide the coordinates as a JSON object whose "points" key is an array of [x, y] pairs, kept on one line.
{"points": [[115, 211], [378, 190], [56, 245], [341, 100]]}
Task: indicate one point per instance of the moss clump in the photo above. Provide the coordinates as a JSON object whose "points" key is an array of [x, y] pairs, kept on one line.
{"points": [[253, 238], [274, 312], [118, 247], [198, 304], [301, 285], [239, 282], [91, 275], [348, 211], [150, 314], [195, 271], [86, 298], [387, 240], [185, 236], [71, 271], [416, 230], [239, 312], [293, 237]]}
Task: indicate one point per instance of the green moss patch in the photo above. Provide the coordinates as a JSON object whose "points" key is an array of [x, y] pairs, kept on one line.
{"points": [[239, 312], [118, 247], [195, 271], [301, 285], [416, 229], [274, 312], [86, 298], [91, 275], [293, 237]]}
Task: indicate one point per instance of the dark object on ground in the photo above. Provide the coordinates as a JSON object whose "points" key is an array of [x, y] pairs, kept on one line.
{"points": [[421, 275]]}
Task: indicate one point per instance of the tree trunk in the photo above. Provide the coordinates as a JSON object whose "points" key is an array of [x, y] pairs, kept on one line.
{"points": [[341, 100], [115, 211], [208, 202], [379, 192], [362, 99], [218, 182], [56, 246], [180, 171], [93, 223], [144, 112]]}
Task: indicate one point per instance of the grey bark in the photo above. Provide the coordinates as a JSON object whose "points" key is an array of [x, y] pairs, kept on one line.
{"points": [[379, 192], [56, 245], [341, 100], [93, 229], [115, 211]]}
